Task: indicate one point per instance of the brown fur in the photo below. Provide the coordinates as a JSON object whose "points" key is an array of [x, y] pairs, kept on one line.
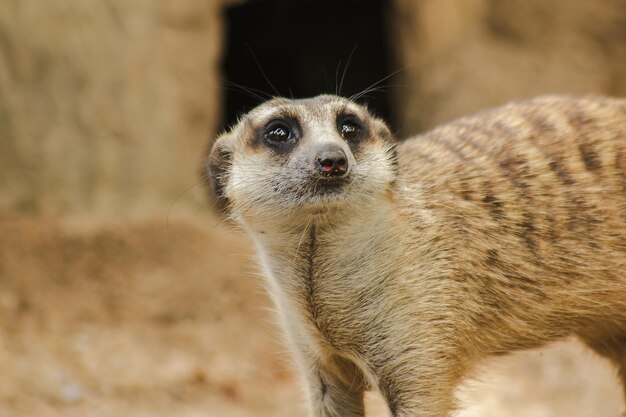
{"points": [[497, 232]]}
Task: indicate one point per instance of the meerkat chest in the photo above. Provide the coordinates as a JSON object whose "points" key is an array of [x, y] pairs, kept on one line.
{"points": [[337, 281], [329, 286]]}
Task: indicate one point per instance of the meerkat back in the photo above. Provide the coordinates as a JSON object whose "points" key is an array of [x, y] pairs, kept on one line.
{"points": [[530, 202]]}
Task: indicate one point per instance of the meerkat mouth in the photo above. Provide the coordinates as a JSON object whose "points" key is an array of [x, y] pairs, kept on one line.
{"points": [[330, 186], [327, 194], [334, 185]]}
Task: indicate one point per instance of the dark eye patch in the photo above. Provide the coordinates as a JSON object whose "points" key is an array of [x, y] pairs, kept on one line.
{"points": [[280, 134], [350, 128]]}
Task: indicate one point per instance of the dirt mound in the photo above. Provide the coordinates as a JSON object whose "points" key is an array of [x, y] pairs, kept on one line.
{"points": [[138, 319]]}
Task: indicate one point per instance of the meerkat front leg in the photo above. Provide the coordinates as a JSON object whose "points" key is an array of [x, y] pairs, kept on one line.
{"points": [[336, 388], [419, 380], [420, 396]]}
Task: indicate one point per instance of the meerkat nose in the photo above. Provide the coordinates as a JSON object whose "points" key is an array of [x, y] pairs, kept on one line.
{"points": [[332, 161]]}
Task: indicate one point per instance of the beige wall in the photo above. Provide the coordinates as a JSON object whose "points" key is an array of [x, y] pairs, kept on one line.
{"points": [[105, 105], [465, 55]]}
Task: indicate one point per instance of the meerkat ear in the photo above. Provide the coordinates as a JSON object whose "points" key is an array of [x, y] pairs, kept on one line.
{"points": [[383, 131], [217, 166]]}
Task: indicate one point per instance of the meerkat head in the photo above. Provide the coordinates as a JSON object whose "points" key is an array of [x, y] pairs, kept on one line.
{"points": [[298, 157]]}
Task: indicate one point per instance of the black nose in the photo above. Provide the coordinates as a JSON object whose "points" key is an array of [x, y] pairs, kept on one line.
{"points": [[332, 161]]}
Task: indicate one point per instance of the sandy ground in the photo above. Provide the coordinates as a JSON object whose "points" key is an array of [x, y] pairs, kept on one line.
{"points": [[145, 318]]}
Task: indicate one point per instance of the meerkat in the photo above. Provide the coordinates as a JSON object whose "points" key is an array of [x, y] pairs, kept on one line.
{"points": [[398, 266]]}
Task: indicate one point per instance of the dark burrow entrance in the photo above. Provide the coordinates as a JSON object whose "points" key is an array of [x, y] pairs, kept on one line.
{"points": [[302, 48]]}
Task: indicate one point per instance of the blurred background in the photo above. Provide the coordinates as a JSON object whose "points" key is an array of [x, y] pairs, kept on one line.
{"points": [[123, 293]]}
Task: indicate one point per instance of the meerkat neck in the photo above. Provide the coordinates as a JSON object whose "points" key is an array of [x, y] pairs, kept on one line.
{"points": [[285, 236]]}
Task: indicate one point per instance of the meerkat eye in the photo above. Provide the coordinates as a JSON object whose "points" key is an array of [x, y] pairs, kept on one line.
{"points": [[348, 127], [278, 132]]}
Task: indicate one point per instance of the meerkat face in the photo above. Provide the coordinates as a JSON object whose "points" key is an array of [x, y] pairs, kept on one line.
{"points": [[294, 156]]}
